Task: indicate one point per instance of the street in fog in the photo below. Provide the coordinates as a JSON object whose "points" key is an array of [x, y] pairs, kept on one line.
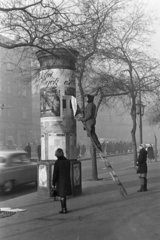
{"points": [[120, 162]]}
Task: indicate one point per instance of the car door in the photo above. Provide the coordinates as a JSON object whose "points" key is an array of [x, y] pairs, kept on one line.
{"points": [[29, 169], [15, 169]]}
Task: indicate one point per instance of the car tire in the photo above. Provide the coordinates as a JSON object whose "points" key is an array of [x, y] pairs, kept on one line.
{"points": [[7, 187]]}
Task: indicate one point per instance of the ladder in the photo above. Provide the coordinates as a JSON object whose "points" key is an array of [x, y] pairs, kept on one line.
{"points": [[108, 166], [77, 114]]}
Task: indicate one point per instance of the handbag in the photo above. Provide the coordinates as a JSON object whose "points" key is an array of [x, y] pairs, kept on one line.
{"points": [[54, 193]]}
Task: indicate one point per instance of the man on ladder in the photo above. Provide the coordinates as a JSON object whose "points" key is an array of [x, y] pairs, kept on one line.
{"points": [[89, 120]]}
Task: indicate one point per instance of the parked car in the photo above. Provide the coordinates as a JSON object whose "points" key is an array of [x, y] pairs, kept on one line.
{"points": [[15, 169]]}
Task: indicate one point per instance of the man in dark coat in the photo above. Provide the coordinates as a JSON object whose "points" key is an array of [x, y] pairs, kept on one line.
{"points": [[39, 152], [142, 168], [61, 178], [89, 120], [150, 153], [28, 150]]}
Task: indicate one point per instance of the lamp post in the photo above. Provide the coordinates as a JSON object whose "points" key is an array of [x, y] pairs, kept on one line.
{"points": [[140, 111]]}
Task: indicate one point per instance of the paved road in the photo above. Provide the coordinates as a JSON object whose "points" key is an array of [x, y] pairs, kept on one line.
{"points": [[99, 213], [118, 162]]}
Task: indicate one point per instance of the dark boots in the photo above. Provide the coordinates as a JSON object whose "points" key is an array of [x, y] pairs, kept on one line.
{"points": [[141, 189], [143, 185], [63, 205]]}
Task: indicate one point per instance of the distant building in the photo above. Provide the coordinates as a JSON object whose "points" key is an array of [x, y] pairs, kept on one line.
{"points": [[17, 115]]}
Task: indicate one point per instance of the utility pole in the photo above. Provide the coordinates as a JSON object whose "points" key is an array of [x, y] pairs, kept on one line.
{"points": [[140, 118]]}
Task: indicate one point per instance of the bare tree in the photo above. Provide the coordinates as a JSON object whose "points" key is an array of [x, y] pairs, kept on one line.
{"points": [[47, 24], [130, 70], [37, 24], [97, 14], [109, 35]]}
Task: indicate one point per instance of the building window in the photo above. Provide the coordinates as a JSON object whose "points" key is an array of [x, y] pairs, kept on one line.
{"points": [[24, 113]]}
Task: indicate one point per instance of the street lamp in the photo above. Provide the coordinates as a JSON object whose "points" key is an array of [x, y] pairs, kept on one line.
{"points": [[140, 111]]}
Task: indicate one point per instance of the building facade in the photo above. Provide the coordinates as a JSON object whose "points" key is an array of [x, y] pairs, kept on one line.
{"points": [[16, 125]]}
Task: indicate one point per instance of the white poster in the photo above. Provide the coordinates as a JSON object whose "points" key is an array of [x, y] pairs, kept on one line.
{"points": [[42, 147], [42, 176], [56, 141], [76, 174]]}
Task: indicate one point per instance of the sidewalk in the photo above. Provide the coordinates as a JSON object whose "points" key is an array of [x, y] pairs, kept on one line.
{"points": [[100, 213]]}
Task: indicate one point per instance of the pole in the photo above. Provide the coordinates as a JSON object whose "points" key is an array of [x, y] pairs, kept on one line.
{"points": [[140, 118], [140, 127], [155, 148]]}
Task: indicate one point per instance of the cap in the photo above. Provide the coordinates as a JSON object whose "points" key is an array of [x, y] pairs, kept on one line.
{"points": [[90, 97]]}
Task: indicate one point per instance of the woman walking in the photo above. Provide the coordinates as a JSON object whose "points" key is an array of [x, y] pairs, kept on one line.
{"points": [[142, 168], [61, 178]]}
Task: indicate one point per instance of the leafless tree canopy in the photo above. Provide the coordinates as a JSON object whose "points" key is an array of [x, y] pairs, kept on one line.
{"points": [[111, 36]]}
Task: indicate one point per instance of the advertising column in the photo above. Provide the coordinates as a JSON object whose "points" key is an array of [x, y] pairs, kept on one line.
{"points": [[57, 85]]}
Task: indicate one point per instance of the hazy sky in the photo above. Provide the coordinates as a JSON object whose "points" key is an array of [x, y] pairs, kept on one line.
{"points": [[154, 9]]}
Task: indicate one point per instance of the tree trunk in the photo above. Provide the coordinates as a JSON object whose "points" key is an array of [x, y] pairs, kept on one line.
{"points": [[94, 162], [134, 147], [133, 132]]}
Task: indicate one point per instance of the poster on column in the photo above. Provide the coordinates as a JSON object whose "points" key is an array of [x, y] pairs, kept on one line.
{"points": [[56, 141], [76, 174], [42, 175], [50, 102], [42, 147], [55, 83]]}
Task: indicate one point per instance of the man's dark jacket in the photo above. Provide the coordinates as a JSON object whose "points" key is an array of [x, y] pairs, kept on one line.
{"points": [[28, 150], [89, 115], [61, 177], [39, 150], [142, 161]]}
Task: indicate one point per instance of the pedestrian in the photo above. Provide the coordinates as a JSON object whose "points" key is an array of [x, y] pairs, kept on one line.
{"points": [[61, 178], [150, 153], [142, 168], [39, 152], [89, 120], [28, 150]]}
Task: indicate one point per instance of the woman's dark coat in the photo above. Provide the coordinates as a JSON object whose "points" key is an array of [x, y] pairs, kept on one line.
{"points": [[39, 150], [61, 177], [150, 152], [142, 161]]}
